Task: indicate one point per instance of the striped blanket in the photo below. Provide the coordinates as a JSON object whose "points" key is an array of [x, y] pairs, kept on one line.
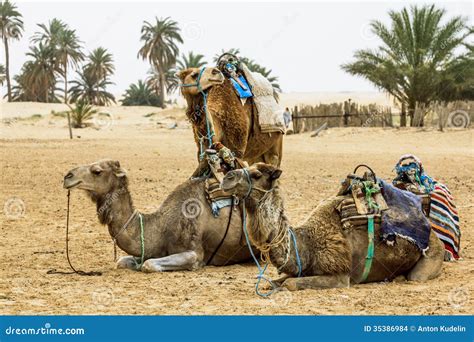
{"points": [[444, 219]]}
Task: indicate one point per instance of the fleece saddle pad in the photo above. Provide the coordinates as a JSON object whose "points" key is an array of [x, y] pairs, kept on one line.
{"points": [[216, 197], [270, 114]]}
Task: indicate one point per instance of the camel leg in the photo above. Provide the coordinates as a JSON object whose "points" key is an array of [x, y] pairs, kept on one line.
{"points": [[176, 262], [430, 265], [317, 282], [127, 262], [274, 154]]}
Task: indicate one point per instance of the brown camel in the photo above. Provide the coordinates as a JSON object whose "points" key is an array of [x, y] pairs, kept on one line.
{"points": [[329, 256], [235, 125], [181, 235]]}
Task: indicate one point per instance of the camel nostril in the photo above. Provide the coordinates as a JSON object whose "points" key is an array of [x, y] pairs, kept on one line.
{"points": [[69, 175]]}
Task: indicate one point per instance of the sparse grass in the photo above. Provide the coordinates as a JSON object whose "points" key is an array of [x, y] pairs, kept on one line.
{"points": [[59, 114], [149, 115]]}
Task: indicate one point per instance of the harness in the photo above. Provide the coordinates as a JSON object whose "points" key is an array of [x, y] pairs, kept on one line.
{"points": [[261, 270], [362, 209], [209, 130]]}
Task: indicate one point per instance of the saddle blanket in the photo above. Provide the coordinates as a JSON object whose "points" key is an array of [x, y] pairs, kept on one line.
{"points": [[405, 217], [270, 114]]}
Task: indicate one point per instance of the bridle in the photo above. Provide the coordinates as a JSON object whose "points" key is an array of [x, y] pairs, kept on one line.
{"points": [[209, 130], [261, 269]]}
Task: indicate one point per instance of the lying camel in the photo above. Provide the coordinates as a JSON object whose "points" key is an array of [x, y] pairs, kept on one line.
{"points": [[235, 125], [181, 235], [329, 257]]}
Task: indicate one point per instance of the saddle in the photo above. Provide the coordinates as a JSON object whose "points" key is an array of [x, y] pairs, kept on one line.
{"points": [[229, 65], [363, 200]]}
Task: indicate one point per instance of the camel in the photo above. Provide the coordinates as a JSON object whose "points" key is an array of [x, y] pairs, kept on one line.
{"points": [[235, 125], [181, 235], [329, 257]]}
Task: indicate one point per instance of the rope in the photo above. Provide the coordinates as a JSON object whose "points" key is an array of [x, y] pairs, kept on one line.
{"points": [[225, 234], [370, 189], [265, 249], [210, 132], [74, 271]]}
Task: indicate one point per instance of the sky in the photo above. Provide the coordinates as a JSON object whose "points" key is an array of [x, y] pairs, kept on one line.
{"points": [[303, 43]]}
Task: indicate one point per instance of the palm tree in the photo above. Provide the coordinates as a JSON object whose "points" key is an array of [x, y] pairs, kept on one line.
{"points": [[160, 47], [100, 64], [190, 61], [141, 94], [39, 73], [154, 78], [11, 27], [2, 74], [80, 113], [412, 61], [66, 45], [89, 89]]}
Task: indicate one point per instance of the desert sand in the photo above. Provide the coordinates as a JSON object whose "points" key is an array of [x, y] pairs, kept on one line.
{"points": [[36, 153]]}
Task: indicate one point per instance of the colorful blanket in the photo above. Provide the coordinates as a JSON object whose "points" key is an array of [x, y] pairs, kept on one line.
{"points": [[443, 215], [404, 218], [444, 219]]}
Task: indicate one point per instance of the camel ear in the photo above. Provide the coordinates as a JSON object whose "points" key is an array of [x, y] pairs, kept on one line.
{"points": [[276, 174], [118, 170], [183, 73]]}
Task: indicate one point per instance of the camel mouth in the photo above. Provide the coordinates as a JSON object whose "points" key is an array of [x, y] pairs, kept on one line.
{"points": [[217, 80], [72, 185]]}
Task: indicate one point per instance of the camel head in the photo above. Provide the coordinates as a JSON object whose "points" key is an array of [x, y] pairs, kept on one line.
{"points": [[262, 177], [189, 79], [98, 178]]}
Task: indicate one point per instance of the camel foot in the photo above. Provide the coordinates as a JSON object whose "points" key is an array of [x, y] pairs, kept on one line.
{"points": [[279, 282], [317, 282], [185, 261], [127, 262]]}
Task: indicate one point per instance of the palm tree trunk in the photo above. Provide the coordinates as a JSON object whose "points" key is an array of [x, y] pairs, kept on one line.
{"points": [[411, 111], [7, 70], [65, 81], [69, 124], [162, 84], [403, 115]]}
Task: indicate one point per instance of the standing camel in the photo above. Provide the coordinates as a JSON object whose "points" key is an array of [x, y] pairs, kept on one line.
{"points": [[328, 256], [182, 234], [235, 125]]}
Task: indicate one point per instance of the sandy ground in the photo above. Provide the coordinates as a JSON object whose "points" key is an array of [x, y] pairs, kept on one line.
{"points": [[35, 154]]}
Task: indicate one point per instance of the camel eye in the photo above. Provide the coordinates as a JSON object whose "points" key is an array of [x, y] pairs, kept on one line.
{"points": [[257, 174], [96, 172], [194, 75]]}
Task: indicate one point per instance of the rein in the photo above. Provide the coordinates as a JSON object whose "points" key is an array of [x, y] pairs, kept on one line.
{"points": [[289, 233], [114, 238], [74, 270], [209, 130]]}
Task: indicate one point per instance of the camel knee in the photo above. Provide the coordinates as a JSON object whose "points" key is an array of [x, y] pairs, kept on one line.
{"points": [[126, 262]]}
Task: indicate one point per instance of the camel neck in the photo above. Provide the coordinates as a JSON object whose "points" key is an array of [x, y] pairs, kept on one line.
{"points": [[268, 224], [114, 209]]}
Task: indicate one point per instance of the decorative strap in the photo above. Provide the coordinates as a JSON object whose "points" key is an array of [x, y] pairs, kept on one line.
{"points": [[370, 249]]}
